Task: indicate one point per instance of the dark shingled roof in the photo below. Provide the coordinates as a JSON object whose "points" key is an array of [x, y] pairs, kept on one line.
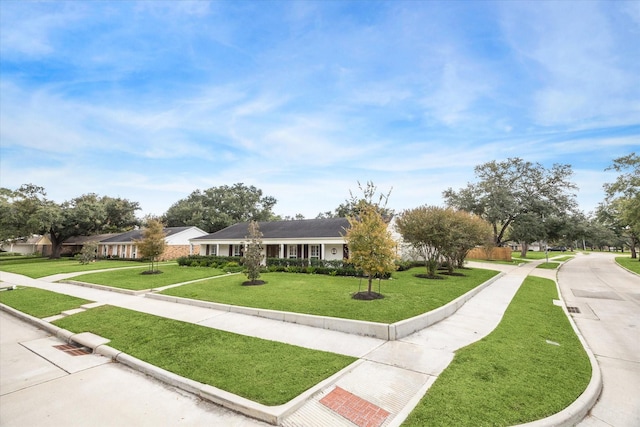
{"points": [[132, 235], [304, 228]]}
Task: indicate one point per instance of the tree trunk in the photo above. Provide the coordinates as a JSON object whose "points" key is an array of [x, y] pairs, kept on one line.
{"points": [[56, 245], [524, 248], [370, 283]]}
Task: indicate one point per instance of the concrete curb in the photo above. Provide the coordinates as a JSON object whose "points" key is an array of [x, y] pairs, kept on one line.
{"points": [[270, 414], [574, 413], [105, 288], [384, 331]]}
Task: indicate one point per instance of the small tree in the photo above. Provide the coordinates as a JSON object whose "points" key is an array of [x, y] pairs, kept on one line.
{"points": [[371, 247], [426, 229], [253, 255], [152, 244], [88, 252]]}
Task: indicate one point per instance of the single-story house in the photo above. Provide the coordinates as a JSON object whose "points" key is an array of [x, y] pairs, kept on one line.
{"points": [[320, 239], [35, 244], [124, 245]]}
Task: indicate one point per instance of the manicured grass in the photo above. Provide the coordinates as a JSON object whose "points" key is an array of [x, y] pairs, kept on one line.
{"points": [[563, 258], [134, 279], [264, 371], [39, 302], [534, 255], [405, 296], [629, 263], [513, 375], [47, 267], [548, 265]]}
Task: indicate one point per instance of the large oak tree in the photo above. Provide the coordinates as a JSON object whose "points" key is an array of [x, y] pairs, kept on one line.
{"points": [[27, 211], [512, 189], [218, 207]]}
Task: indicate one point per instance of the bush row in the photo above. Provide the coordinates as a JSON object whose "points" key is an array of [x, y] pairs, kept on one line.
{"points": [[287, 265]]}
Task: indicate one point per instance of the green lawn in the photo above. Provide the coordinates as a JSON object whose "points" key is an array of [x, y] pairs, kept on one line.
{"points": [[535, 255], [548, 265], [629, 263], [513, 375], [134, 279], [47, 267], [405, 296], [39, 302], [264, 371]]}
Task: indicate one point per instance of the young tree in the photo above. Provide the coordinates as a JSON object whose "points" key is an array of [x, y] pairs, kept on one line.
{"points": [[426, 230], [219, 207], [509, 189], [253, 255], [89, 252], [371, 247], [152, 244]]}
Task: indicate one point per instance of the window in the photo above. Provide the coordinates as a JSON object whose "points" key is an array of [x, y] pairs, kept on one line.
{"points": [[314, 251], [134, 251], [212, 249], [237, 250], [293, 251]]}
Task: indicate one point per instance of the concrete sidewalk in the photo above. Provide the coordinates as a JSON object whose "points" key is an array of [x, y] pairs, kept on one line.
{"points": [[390, 378]]}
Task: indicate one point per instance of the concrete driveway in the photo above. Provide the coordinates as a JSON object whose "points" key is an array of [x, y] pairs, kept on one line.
{"points": [[606, 299]]}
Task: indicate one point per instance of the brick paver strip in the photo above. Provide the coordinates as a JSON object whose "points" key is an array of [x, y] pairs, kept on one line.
{"points": [[354, 408]]}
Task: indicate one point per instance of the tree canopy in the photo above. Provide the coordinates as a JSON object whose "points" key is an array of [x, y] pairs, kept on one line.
{"points": [[621, 207], [218, 207], [27, 211], [509, 189]]}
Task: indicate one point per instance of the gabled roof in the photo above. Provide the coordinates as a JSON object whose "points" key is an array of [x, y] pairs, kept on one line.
{"points": [[132, 235], [304, 228]]}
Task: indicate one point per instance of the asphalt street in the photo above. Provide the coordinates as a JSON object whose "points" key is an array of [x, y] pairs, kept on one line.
{"points": [[608, 300]]}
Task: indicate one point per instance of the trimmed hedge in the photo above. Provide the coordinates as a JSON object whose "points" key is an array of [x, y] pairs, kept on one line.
{"points": [[287, 265]]}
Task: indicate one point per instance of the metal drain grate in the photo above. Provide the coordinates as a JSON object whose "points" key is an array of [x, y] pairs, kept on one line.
{"points": [[73, 350], [573, 310]]}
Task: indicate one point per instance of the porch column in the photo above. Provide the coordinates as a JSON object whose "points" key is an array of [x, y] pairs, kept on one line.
{"points": [[217, 249], [281, 255], [322, 252]]}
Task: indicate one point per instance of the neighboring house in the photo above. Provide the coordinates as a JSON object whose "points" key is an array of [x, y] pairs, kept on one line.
{"points": [[36, 244], [124, 245], [73, 245], [306, 239]]}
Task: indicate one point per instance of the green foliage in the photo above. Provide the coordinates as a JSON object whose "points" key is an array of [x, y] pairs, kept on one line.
{"points": [[512, 376], [153, 242], [267, 372], [426, 230], [207, 261], [88, 253], [39, 302], [219, 207], [253, 255], [371, 247], [509, 189], [27, 211]]}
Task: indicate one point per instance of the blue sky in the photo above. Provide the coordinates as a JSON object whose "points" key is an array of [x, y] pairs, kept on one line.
{"points": [[152, 100]]}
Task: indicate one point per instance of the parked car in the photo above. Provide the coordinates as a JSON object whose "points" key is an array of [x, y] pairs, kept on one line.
{"points": [[557, 248]]}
